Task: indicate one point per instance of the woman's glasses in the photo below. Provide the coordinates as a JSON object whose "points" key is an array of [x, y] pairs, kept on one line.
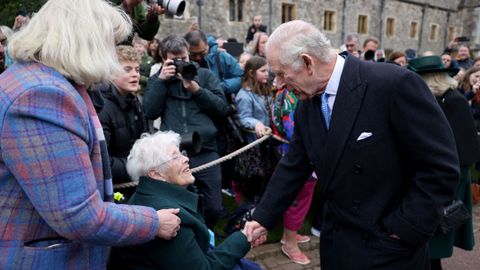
{"points": [[183, 153]]}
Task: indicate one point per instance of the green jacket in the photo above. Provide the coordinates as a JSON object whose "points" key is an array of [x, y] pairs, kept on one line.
{"points": [[190, 248], [146, 28], [183, 111]]}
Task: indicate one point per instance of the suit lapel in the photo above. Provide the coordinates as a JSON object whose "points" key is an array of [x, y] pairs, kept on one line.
{"points": [[316, 127], [348, 102]]}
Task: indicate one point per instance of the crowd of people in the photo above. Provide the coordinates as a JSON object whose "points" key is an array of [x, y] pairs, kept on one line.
{"points": [[86, 109]]}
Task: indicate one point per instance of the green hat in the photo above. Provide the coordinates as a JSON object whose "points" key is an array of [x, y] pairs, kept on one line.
{"points": [[428, 64]]}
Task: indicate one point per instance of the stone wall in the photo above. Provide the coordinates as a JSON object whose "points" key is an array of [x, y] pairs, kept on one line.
{"points": [[464, 16]]}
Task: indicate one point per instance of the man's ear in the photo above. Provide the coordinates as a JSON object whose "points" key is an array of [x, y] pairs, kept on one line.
{"points": [[308, 61]]}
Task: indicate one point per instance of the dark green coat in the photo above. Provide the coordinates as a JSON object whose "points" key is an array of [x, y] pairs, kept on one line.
{"points": [[145, 26], [190, 248], [458, 114]]}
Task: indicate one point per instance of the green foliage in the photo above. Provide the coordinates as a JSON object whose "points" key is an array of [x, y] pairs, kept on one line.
{"points": [[10, 8]]}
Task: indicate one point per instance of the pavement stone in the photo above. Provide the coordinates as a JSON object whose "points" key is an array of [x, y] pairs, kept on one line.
{"points": [[270, 256]]}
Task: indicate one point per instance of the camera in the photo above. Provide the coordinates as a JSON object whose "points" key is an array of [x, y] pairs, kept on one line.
{"points": [[175, 7], [462, 39], [191, 142], [369, 55], [187, 69]]}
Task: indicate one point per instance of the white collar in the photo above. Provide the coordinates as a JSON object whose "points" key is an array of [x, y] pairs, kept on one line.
{"points": [[332, 85]]}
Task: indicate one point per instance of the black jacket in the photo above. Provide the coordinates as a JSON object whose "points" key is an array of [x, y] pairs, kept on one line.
{"points": [[387, 165], [185, 112], [123, 122], [458, 114], [252, 30]]}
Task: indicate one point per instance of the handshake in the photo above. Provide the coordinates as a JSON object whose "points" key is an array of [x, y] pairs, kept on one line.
{"points": [[256, 233]]}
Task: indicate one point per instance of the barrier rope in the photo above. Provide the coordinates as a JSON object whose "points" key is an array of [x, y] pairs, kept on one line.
{"points": [[220, 160]]}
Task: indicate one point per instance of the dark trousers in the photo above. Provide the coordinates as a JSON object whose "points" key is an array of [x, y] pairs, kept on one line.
{"points": [[209, 183]]}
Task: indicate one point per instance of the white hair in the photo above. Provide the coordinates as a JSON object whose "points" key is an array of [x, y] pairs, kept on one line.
{"points": [[294, 38], [76, 38], [7, 31], [439, 82], [150, 152]]}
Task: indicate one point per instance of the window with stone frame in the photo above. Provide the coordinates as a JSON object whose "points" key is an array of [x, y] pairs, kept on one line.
{"points": [[329, 21], [235, 8], [413, 30], [289, 12], [433, 35], [390, 27], [362, 25], [451, 33]]}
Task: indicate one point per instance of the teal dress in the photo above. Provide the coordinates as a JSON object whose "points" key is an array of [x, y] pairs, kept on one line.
{"points": [[190, 248]]}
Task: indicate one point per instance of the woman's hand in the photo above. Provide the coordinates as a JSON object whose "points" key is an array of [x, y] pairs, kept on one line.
{"points": [[261, 130]]}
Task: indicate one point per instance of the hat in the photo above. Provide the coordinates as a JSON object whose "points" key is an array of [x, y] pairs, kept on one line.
{"points": [[428, 64]]}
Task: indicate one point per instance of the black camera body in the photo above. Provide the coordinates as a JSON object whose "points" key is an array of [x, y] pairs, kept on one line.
{"points": [[186, 69]]}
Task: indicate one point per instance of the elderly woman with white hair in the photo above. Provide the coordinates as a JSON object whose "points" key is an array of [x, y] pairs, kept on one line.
{"points": [[165, 182], [56, 190]]}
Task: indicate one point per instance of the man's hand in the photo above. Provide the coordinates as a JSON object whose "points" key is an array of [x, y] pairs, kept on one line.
{"points": [[256, 233], [20, 21], [193, 27], [168, 70], [157, 9], [190, 85], [169, 223]]}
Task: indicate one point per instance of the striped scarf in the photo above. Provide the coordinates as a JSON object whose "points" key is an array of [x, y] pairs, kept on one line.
{"points": [[107, 174]]}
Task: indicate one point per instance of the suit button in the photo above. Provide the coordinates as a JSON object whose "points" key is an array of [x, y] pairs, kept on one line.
{"points": [[357, 169], [356, 204], [336, 228], [365, 238]]}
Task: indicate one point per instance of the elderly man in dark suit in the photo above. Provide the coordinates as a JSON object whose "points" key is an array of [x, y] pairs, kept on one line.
{"points": [[380, 145]]}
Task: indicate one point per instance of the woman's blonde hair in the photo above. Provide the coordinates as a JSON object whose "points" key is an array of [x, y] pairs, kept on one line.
{"points": [[255, 43], [76, 38], [439, 82], [127, 53]]}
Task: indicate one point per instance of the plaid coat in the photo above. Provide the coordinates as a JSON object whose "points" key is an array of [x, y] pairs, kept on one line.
{"points": [[52, 209]]}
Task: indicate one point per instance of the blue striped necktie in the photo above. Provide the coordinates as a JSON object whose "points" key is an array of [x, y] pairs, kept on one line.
{"points": [[326, 109]]}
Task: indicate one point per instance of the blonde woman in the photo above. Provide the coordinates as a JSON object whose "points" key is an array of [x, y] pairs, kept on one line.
{"points": [[55, 186], [457, 111]]}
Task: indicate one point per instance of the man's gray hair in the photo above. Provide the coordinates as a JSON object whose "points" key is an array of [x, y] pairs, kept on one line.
{"points": [[351, 36], [294, 38], [172, 44], [150, 152]]}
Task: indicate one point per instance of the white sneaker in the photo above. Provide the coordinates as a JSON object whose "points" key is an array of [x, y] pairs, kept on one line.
{"points": [[315, 232]]}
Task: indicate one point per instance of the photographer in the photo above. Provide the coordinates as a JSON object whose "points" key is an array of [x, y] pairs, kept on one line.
{"points": [[190, 98], [145, 23]]}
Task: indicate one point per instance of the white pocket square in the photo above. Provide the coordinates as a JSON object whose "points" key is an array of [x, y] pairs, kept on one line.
{"points": [[364, 135]]}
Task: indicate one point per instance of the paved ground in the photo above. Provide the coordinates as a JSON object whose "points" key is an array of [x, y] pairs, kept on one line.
{"points": [[270, 257]]}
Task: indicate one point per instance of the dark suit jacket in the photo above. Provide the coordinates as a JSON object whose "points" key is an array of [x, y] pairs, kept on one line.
{"points": [[395, 181], [190, 248]]}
